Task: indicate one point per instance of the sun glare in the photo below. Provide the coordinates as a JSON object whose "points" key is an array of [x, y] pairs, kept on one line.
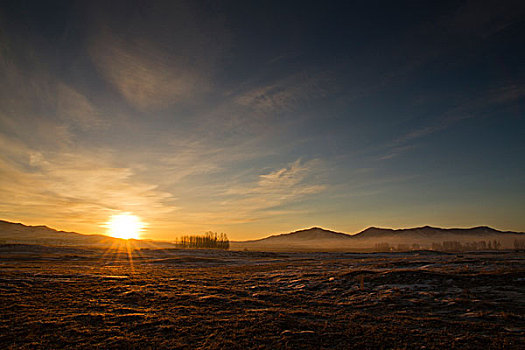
{"points": [[125, 226]]}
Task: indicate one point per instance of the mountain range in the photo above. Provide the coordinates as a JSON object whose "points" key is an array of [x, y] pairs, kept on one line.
{"points": [[312, 239], [17, 233], [317, 238]]}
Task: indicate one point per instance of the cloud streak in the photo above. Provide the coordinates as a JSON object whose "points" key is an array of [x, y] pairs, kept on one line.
{"points": [[471, 109], [145, 76], [149, 73], [72, 189], [286, 94], [275, 189]]}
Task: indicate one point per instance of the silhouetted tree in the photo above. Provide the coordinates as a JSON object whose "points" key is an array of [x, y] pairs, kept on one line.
{"points": [[466, 246], [403, 247], [382, 247], [452, 246], [519, 244], [436, 246]]}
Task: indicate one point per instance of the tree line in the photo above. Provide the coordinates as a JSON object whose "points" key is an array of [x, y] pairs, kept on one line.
{"points": [[209, 240], [519, 244], [467, 246], [447, 246]]}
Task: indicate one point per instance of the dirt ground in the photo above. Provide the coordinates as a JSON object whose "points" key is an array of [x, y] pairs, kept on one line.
{"points": [[196, 299]]}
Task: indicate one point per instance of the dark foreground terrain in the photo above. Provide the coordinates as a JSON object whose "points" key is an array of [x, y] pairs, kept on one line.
{"points": [[81, 298]]}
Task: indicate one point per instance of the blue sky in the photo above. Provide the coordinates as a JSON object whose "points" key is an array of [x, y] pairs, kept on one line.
{"points": [[252, 118]]}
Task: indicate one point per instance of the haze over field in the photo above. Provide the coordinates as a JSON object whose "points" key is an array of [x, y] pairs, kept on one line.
{"points": [[261, 117], [313, 239]]}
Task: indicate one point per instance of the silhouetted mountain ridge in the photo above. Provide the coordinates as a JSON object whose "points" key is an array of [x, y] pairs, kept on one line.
{"points": [[312, 239], [318, 233], [17, 233], [319, 239], [310, 234], [427, 231]]}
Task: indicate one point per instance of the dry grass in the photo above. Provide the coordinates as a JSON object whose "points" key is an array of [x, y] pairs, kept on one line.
{"points": [[234, 300]]}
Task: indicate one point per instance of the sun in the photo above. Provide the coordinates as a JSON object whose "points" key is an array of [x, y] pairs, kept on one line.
{"points": [[126, 226]]}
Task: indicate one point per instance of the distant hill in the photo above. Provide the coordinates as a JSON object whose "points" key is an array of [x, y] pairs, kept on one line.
{"points": [[311, 234], [316, 238], [16, 233], [312, 239], [427, 231]]}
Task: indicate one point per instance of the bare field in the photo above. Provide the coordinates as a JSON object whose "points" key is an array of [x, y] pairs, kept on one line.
{"points": [[88, 298]]}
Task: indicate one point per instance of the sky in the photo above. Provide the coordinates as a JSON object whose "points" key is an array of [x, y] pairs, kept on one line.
{"points": [[260, 117]]}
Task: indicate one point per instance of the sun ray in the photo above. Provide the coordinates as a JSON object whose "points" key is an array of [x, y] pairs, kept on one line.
{"points": [[129, 252]]}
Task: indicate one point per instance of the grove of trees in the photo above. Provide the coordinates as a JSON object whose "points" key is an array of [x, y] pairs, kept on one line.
{"points": [[519, 244], [209, 240], [447, 246], [466, 246]]}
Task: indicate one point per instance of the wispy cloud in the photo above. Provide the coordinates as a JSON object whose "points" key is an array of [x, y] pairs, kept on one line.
{"points": [[274, 189], [443, 123], [76, 111], [473, 108], [40, 110], [259, 110], [286, 94], [482, 19], [506, 94], [72, 189], [145, 76], [149, 73], [289, 181], [396, 151], [266, 196]]}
